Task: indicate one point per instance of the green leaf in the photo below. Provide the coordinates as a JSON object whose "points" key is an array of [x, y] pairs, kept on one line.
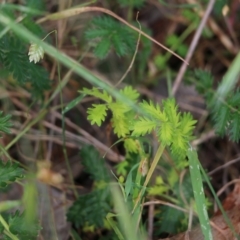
{"points": [[90, 209], [97, 113], [21, 228], [119, 109], [122, 168], [166, 133], [73, 103], [102, 49], [143, 126], [9, 172], [171, 111], [199, 195], [108, 33], [94, 164], [131, 145], [15, 60], [5, 123], [179, 145], [153, 111], [98, 94], [130, 93], [120, 126], [187, 124], [221, 115], [235, 128]]}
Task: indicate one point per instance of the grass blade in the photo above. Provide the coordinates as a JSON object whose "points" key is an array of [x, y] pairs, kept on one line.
{"points": [[196, 179]]}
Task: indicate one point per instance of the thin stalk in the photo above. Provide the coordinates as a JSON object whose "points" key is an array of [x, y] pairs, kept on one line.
{"points": [[63, 127], [149, 174]]}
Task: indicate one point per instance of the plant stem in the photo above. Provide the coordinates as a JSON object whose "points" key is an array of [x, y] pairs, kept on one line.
{"points": [[150, 173]]}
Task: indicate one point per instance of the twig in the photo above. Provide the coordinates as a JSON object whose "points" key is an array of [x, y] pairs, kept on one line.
{"points": [[150, 221], [224, 165], [192, 47]]}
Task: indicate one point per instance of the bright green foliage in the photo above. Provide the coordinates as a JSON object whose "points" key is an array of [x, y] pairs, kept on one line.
{"points": [[130, 93], [172, 128], [97, 114], [153, 110], [122, 168], [143, 126], [9, 172], [103, 95], [120, 126], [131, 145], [158, 188], [131, 3], [122, 114], [20, 228], [107, 33], [5, 123], [225, 114]]}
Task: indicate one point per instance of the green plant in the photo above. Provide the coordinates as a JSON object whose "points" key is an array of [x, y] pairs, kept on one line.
{"points": [[131, 121], [107, 33], [173, 130], [225, 112], [13, 226], [13, 58]]}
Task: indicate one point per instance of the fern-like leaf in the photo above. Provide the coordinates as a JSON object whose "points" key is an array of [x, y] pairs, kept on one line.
{"points": [[235, 128], [15, 60], [87, 207], [179, 145], [143, 126], [131, 145], [5, 123], [120, 126], [130, 93], [187, 124], [221, 117], [97, 113], [103, 95], [94, 164], [119, 109], [166, 133], [102, 48], [171, 111], [107, 33], [9, 172], [154, 111], [19, 227]]}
